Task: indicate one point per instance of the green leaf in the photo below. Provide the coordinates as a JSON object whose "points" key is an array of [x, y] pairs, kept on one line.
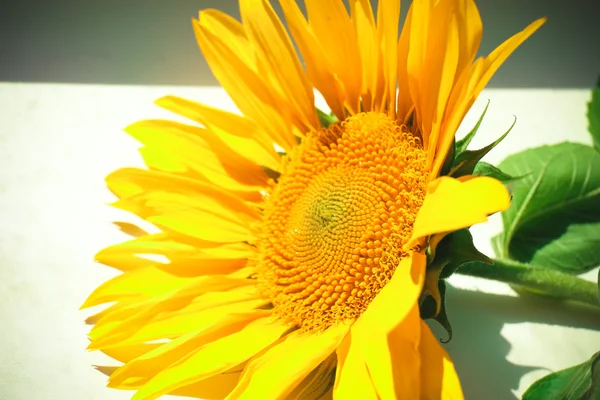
{"points": [[326, 119], [485, 169], [465, 162], [593, 115], [463, 143], [576, 383], [554, 216]]}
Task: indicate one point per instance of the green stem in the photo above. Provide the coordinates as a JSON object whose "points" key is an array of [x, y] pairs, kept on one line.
{"points": [[553, 283]]}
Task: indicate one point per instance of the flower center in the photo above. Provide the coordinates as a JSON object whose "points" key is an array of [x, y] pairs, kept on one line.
{"points": [[335, 222]]}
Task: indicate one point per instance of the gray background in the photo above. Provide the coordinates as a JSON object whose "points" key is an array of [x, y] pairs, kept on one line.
{"points": [[151, 42]]}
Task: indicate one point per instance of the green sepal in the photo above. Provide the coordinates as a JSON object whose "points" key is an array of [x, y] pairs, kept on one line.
{"points": [[447, 166], [581, 382], [462, 144], [428, 308], [465, 162], [484, 169], [593, 116], [454, 250], [326, 119]]}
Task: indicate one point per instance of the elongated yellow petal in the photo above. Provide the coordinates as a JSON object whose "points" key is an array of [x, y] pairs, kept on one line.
{"points": [[148, 281], [121, 324], [451, 205], [325, 17], [147, 365], [215, 387], [204, 226], [193, 317], [142, 187], [225, 26], [352, 380], [438, 376], [388, 332], [213, 358], [123, 262], [244, 84], [276, 372], [470, 29], [274, 50], [130, 229], [125, 354], [318, 68], [388, 15], [404, 104], [470, 84], [432, 63], [319, 383], [238, 133], [368, 43], [200, 151]]}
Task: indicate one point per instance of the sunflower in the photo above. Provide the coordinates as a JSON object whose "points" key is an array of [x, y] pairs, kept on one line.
{"points": [[292, 245]]}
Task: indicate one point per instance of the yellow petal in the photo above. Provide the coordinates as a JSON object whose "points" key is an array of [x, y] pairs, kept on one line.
{"points": [[215, 387], [148, 281], [121, 324], [243, 82], [276, 372], [240, 134], [432, 64], [201, 152], [319, 383], [275, 52], [204, 226], [451, 205], [404, 100], [368, 43], [125, 354], [214, 358], [325, 17], [130, 229], [388, 15], [472, 82], [195, 316], [352, 379], [438, 376], [387, 334], [470, 29], [144, 367], [318, 68]]}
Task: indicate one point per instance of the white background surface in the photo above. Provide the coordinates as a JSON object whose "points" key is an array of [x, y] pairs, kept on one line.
{"points": [[57, 142]]}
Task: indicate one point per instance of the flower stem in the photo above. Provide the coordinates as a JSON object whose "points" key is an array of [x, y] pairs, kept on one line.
{"points": [[535, 279]]}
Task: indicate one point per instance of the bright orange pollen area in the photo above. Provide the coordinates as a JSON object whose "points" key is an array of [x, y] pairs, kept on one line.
{"points": [[335, 221]]}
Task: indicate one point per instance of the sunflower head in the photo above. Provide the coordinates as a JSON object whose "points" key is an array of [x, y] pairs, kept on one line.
{"points": [[297, 245]]}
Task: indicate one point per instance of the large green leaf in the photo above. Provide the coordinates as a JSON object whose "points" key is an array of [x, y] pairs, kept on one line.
{"points": [[554, 218], [576, 383], [593, 114]]}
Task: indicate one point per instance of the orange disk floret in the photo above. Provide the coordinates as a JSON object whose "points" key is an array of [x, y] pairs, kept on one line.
{"points": [[335, 221]]}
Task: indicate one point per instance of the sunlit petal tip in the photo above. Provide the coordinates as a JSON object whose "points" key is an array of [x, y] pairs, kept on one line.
{"points": [[451, 205]]}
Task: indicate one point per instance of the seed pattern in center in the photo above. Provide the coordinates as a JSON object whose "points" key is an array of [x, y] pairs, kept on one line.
{"points": [[335, 222]]}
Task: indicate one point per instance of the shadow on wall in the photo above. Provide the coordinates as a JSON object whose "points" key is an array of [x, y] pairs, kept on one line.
{"points": [[480, 351], [151, 42]]}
